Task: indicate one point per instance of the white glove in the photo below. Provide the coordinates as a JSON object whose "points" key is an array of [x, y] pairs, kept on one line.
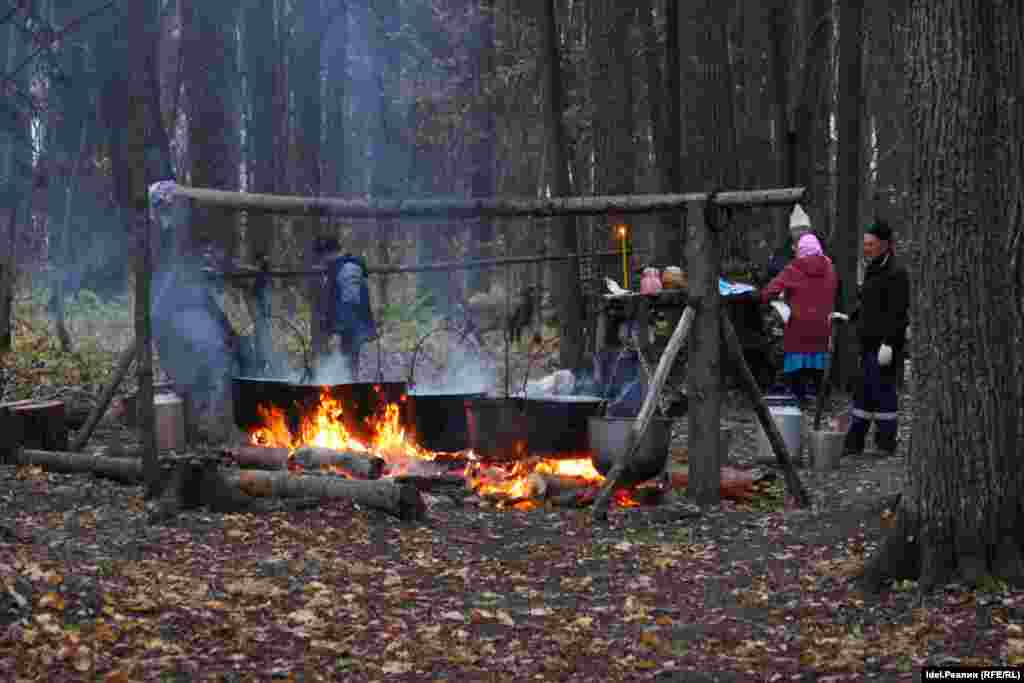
{"points": [[884, 355], [838, 316]]}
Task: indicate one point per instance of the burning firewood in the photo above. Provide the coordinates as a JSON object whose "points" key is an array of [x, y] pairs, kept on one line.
{"points": [[360, 465], [356, 465], [550, 486]]}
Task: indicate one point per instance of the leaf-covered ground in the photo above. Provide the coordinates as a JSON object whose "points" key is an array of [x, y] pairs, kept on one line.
{"points": [[764, 592]]}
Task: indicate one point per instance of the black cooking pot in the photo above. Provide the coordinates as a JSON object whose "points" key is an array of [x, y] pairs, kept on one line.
{"points": [[511, 428], [360, 401], [441, 421], [610, 438]]}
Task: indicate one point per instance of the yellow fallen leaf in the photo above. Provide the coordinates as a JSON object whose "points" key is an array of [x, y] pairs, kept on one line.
{"points": [[52, 601], [584, 622]]}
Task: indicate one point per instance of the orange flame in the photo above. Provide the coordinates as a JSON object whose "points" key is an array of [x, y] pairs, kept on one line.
{"points": [[324, 427]]}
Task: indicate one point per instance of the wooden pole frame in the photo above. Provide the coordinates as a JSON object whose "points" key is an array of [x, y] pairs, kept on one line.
{"points": [[705, 379], [486, 206]]}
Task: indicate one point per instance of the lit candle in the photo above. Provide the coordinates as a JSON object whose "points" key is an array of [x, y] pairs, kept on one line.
{"points": [[625, 262]]}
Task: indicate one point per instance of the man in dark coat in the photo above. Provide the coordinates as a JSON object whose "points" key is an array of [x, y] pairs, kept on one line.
{"points": [[346, 309], [881, 317]]}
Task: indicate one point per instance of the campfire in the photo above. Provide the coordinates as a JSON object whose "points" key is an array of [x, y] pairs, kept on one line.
{"points": [[326, 442]]}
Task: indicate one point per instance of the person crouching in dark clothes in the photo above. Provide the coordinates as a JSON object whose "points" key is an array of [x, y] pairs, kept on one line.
{"points": [[809, 285], [881, 317], [346, 309]]}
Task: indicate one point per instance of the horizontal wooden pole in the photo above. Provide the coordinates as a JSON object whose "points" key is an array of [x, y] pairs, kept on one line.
{"points": [[415, 268], [489, 206]]}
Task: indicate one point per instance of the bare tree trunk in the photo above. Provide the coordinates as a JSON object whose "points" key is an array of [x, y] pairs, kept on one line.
{"points": [[569, 293], [211, 77], [483, 181], [845, 246], [138, 95], [306, 88], [663, 86], [390, 172], [262, 154], [961, 514]]}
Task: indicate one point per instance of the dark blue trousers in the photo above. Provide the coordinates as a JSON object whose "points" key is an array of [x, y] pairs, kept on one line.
{"points": [[876, 400]]}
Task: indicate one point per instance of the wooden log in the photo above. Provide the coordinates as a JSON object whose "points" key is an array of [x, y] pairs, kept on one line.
{"points": [[448, 484], [764, 416], [123, 364], [258, 457], [401, 500], [643, 420], [119, 469], [490, 206], [360, 465], [35, 424]]}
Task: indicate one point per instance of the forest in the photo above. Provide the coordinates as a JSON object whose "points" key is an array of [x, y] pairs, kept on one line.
{"points": [[318, 320]]}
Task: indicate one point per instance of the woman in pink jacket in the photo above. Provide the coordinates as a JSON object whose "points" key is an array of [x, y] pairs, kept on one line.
{"points": [[808, 285]]}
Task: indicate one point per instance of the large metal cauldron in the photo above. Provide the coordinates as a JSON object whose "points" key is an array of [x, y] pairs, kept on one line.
{"points": [[359, 400], [441, 421], [503, 429]]}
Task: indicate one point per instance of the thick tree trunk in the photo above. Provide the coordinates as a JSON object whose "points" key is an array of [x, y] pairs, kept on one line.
{"points": [[139, 97], [845, 245], [483, 180], [704, 360], [570, 295], [962, 513], [211, 77], [261, 150], [663, 85]]}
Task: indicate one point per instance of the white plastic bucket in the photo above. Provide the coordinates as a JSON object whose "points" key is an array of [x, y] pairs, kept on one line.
{"points": [[789, 420]]}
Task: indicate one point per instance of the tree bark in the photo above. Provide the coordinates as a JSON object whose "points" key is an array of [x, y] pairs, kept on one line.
{"points": [[483, 177], [211, 77], [139, 95], [961, 512], [704, 360], [845, 251], [570, 295]]}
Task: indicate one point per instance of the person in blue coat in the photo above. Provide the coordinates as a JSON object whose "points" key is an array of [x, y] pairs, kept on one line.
{"points": [[346, 311]]}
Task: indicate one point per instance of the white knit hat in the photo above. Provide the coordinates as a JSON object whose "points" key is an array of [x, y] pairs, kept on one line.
{"points": [[798, 218]]}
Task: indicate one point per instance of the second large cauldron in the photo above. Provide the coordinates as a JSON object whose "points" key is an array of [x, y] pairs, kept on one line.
{"points": [[436, 422], [503, 429], [360, 401]]}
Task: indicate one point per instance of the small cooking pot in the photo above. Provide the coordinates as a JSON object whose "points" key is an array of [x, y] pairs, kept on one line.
{"points": [[610, 437], [441, 421], [360, 401]]}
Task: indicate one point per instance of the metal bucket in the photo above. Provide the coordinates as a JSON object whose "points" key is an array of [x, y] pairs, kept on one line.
{"points": [[789, 420], [824, 449]]}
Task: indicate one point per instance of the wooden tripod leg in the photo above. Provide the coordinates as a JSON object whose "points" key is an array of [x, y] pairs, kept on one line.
{"points": [[125, 362], [764, 416]]}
